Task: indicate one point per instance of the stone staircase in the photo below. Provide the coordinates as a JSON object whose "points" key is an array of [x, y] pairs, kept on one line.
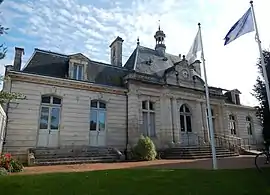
{"points": [[72, 155], [195, 152]]}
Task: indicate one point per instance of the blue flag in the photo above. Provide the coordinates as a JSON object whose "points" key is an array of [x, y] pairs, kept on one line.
{"points": [[244, 25]]}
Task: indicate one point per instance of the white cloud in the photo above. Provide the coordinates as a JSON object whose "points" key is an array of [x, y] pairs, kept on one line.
{"points": [[71, 26]]}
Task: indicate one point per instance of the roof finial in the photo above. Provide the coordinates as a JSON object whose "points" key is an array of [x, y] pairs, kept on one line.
{"points": [[138, 41], [158, 24]]}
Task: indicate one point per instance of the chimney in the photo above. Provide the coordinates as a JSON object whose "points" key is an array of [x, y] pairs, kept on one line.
{"points": [[116, 51], [18, 58]]}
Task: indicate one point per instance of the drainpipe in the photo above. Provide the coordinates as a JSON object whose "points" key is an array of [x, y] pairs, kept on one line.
{"points": [[127, 136]]}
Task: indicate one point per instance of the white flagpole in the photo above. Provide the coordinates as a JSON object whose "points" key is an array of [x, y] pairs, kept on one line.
{"points": [[211, 128], [262, 57]]}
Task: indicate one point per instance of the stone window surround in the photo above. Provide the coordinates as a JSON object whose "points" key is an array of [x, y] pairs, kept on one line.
{"points": [[78, 62]]}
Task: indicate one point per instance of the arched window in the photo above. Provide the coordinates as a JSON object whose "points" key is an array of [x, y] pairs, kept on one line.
{"points": [[213, 118], [148, 111], [50, 112], [97, 116], [232, 124], [185, 119], [249, 125]]}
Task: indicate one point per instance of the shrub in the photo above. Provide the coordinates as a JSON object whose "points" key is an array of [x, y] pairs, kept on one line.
{"points": [[3, 171], [145, 149], [9, 163]]}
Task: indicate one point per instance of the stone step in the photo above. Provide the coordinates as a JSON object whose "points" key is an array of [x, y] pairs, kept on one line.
{"points": [[197, 153], [75, 156], [200, 156], [203, 150], [73, 161], [70, 155]]}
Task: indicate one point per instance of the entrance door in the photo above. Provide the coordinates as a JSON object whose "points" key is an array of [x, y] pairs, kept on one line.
{"points": [[48, 134], [97, 135]]}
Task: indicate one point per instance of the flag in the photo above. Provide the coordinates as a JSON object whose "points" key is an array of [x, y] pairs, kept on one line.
{"points": [[244, 25], [195, 48]]}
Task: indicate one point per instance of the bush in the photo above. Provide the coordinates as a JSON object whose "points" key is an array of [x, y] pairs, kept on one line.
{"points": [[9, 163], [3, 171], [145, 149]]}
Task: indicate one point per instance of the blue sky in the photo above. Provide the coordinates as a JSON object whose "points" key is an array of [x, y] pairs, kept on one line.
{"points": [[88, 26]]}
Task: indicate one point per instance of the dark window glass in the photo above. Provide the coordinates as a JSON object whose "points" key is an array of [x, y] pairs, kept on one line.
{"points": [[188, 119], [94, 104], [237, 99], [144, 103], [151, 106], [44, 118], [93, 120], [56, 100], [182, 122], [182, 108], [102, 120], [102, 105], [55, 114], [187, 109], [45, 99]]}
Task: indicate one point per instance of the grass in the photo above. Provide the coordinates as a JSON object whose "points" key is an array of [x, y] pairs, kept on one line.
{"points": [[139, 181]]}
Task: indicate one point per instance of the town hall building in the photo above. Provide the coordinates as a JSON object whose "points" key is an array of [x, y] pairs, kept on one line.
{"points": [[71, 100]]}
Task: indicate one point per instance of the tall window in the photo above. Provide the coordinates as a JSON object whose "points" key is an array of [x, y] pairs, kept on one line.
{"points": [[97, 116], [232, 124], [148, 111], [249, 125], [78, 71], [50, 112], [213, 118], [185, 119]]}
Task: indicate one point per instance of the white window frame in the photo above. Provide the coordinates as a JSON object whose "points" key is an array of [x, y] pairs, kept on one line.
{"points": [[97, 111], [148, 111], [50, 105], [185, 114], [77, 71]]}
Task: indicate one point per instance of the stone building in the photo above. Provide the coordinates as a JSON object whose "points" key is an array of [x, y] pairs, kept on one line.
{"points": [[73, 100]]}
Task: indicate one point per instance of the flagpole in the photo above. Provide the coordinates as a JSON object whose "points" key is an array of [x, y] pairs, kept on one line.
{"points": [[262, 57], [211, 128]]}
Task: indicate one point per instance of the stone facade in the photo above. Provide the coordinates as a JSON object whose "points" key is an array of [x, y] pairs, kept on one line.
{"points": [[73, 100]]}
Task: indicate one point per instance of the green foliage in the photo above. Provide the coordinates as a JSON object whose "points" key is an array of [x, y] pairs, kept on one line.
{"points": [[3, 30], [3, 172], [145, 149], [259, 92], [6, 96], [9, 163]]}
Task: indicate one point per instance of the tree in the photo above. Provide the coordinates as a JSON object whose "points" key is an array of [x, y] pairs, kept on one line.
{"points": [[6, 96], [259, 92]]}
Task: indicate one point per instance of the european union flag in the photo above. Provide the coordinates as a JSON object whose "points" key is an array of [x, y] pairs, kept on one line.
{"points": [[244, 25]]}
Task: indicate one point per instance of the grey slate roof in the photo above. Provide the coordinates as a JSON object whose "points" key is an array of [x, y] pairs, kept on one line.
{"points": [[141, 56], [48, 64], [53, 64]]}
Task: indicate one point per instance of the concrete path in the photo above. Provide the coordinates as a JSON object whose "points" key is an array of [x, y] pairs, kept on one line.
{"points": [[238, 162]]}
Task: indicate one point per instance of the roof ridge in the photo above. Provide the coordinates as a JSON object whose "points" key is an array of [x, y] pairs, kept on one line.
{"points": [[109, 65], [50, 52]]}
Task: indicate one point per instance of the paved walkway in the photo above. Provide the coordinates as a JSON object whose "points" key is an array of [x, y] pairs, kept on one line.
{"points": [[239, 162]]}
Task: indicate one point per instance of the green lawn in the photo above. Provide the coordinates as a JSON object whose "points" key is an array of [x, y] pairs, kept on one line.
{"points": [[139, 182]]}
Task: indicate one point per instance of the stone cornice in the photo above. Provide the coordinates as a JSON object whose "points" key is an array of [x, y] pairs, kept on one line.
{"points": [[67, 83], [240, 106]]}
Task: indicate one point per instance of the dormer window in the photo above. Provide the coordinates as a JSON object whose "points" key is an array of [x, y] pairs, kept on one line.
{"points": [[77, 71], [237, 99]]}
